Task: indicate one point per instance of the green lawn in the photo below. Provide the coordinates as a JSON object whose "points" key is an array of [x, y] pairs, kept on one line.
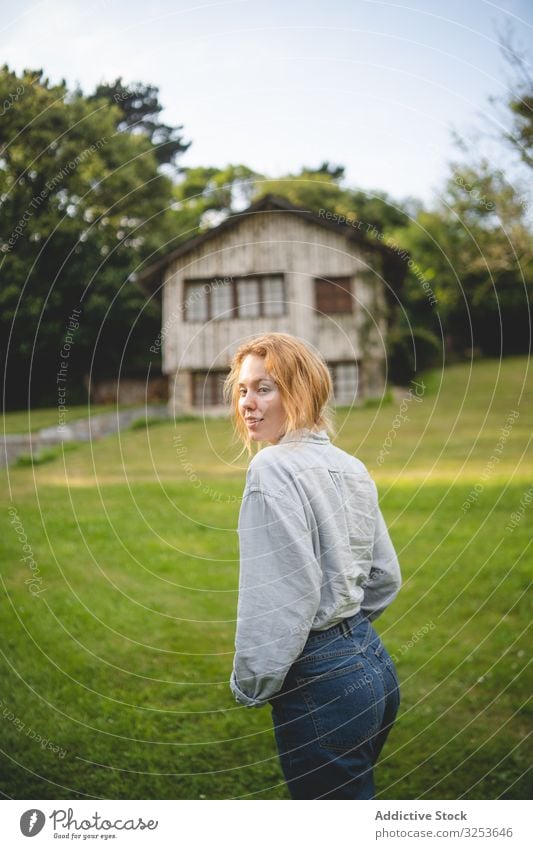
{"points": [[121, 663]]}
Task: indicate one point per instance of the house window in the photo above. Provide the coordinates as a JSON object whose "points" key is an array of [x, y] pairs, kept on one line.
{"points": [[207, 388], [207, 299], [260, 295], [333, 295], [196, 302], [222, 300], [272, 297], [345, 381], [248, 297]]}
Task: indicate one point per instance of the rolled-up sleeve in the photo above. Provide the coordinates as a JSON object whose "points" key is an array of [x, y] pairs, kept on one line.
{"points": [[279, 593], [385, 580]]}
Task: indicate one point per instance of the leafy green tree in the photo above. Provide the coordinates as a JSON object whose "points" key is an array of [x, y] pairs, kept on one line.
{"points": [[140, 108], [519, 106], [474, 247], [206, 195], [474, 250], [83, 201], [323, 188]]}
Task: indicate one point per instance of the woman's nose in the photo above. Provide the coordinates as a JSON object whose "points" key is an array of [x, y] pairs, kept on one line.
{"points": [[249, 401]]}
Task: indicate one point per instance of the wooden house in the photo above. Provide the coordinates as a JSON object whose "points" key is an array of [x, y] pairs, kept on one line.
{"points": [[274, 267]]}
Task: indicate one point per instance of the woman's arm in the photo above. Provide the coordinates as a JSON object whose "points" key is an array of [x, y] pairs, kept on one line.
{"points": [[385, 579], [279, 593]]}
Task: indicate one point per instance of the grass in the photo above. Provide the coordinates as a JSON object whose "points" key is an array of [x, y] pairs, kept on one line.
{"points": [[120, 664]]}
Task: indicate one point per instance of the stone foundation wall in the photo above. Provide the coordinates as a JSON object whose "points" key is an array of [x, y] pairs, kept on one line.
{"points": [[129, 391]]}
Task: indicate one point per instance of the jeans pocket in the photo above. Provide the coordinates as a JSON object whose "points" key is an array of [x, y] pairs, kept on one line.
{"points": [[343, 706]]}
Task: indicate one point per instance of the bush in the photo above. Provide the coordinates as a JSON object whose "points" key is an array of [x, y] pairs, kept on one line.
{"points": [[148, 421], [45, 455], [411, 351]]}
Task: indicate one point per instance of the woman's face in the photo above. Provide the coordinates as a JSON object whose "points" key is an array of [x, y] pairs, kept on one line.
{"points": [[260, 401]]}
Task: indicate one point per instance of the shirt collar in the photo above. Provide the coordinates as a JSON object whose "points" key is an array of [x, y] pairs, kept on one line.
{"points": [[305, 434]]}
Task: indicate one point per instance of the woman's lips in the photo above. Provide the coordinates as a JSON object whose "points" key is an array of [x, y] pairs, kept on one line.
{"points": [[253, 423]]}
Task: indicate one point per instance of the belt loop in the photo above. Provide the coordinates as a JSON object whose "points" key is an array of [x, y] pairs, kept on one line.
{"points": [[370, 637], [346, 630]]}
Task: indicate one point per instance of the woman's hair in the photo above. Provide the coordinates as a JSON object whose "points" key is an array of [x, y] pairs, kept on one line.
{"points": [[303, 380]]}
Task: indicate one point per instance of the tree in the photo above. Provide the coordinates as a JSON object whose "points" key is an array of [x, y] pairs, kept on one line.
{"points": [[474, 246], [323, 188], [83, 200], [519, 135], [474, 250], [206, 195], [140, 108]]}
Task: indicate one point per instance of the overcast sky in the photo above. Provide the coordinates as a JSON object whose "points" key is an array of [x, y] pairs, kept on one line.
{"points": [[277, 84]]}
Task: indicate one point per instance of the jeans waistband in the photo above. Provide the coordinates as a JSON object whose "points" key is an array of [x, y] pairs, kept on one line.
{"points": [[343, 628]]}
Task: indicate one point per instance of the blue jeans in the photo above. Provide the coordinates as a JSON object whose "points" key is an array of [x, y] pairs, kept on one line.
{"points": [[334, 712]]}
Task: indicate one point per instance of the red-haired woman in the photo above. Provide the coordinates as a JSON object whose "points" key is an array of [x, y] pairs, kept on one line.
{"points": [[317, 566]]}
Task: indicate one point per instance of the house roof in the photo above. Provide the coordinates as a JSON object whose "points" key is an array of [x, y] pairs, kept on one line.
{"points": [[394, 264]]}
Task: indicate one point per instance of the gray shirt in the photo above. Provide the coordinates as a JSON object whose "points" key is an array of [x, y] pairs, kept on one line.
{"points": [[314, 549]]}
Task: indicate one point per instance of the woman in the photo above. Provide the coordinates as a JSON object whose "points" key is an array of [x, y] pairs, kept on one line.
{"points": [[317, 566]]}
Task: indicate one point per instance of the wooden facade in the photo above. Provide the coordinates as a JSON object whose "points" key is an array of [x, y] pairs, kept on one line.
{"points": [[272, 267]]}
